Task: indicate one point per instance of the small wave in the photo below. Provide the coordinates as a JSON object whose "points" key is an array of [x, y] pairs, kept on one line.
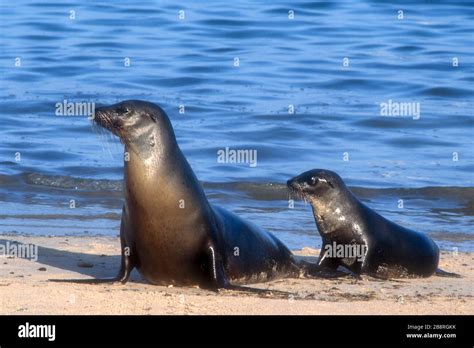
{"points": [[446, 92], [452, 237], [255, 190], [107, 216], [72, 183]]}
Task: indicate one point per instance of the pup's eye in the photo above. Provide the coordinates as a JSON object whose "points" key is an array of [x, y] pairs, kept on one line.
{"points": [[313, 180], [123, 110]]}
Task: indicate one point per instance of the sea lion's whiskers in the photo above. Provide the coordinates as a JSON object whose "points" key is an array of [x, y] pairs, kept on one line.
{"points": [[102, 136], [108, 123], [295, 193], [98, 132]]}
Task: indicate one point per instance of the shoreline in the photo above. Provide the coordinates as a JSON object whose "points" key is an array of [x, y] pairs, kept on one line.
{"points": [[25, 289]]}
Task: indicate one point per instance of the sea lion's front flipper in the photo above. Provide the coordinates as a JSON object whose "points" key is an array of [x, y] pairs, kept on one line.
{"points": [[440, 273], [126, 268], [86, 281], [122, 277]]}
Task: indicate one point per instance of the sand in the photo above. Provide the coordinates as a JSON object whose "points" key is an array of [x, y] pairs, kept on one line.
{"points": [[25, 289]]}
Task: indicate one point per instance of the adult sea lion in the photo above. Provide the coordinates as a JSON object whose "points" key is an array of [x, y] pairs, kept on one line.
{"points": [[358, 238], [169, 231]]}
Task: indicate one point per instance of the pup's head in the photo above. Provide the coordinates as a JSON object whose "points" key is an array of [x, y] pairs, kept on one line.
{"points": [[316, 184]]}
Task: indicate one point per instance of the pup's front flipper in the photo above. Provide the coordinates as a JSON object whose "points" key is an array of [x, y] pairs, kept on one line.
{"points": [[440, 273], [313, 270]]}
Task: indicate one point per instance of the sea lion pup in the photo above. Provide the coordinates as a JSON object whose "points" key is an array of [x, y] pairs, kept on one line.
{"points": [[359, 239], [169, 231]]}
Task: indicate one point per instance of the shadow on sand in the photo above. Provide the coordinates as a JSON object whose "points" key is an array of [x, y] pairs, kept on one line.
{"points": [[91, 265]]}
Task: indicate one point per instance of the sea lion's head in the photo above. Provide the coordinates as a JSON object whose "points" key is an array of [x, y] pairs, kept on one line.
{"points": [[315, 183], [328, 195], [140, 125]]}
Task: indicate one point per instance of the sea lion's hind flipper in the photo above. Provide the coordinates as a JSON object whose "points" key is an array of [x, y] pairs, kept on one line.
{"points": [[220, 281], [216, 271], [440, 273]]}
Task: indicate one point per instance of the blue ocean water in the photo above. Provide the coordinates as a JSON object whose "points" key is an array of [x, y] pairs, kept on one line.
{"points": [[303, 83]]}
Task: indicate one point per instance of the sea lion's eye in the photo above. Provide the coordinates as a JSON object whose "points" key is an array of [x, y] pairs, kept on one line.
{"points": [[123, 110], [313, 181]]}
